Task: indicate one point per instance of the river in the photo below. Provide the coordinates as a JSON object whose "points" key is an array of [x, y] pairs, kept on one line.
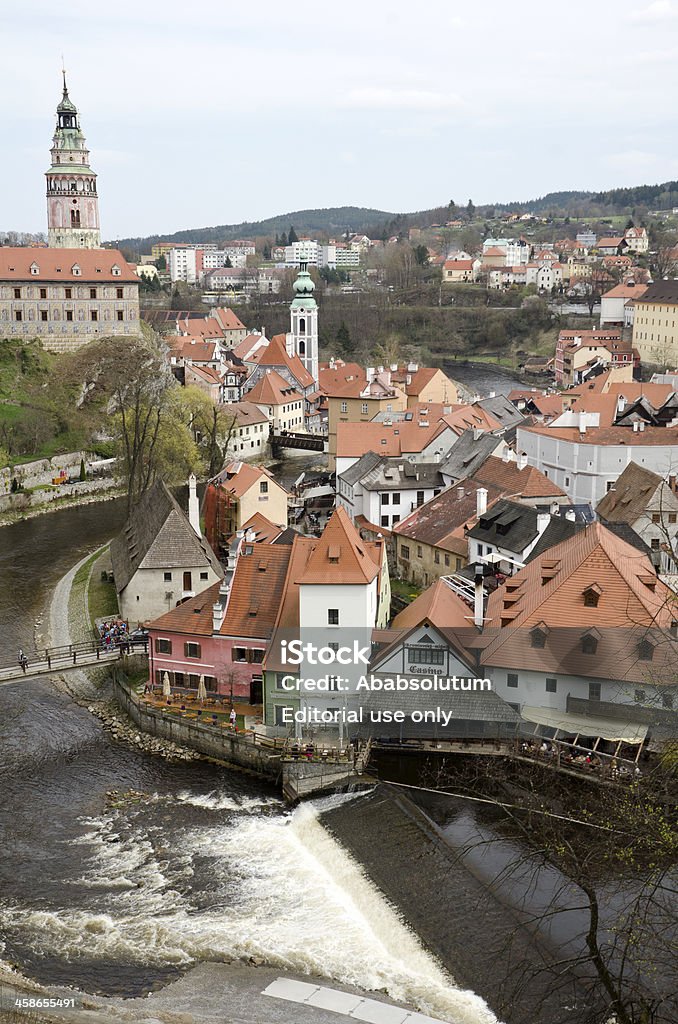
{"points": [[204, 866]]}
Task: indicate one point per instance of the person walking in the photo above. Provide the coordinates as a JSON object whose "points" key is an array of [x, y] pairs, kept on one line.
{"points": [[23, 660], [232, 718]]}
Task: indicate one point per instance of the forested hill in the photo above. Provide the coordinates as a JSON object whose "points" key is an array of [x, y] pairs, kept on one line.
{"points": [[333, 221], [336, 220]]}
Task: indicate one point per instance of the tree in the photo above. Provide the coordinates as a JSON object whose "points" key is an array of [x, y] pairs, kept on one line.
{"points": [[664, 258], [344, 340], [470, 210], [83, 471], [292, 236], [267, 251], [421, 255], [161, 263], [283, 239], [151, 441], [212, 426], [228, 262], [388, 352]]}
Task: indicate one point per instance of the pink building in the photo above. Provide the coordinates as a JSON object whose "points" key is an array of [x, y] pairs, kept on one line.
{"points": [[224, 632]]}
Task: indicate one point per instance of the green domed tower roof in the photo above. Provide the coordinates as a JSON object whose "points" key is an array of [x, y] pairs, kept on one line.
{"points": [[304, 286]]}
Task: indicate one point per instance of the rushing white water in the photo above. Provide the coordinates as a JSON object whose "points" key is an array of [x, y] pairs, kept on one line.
{"points": [[280, 888]]}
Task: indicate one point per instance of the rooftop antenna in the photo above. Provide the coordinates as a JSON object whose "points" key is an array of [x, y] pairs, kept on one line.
{"points": [[63, 72]]}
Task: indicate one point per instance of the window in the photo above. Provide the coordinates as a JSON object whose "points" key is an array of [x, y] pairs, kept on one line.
{"points": [[344, 407], [69, 314], [239, 654], [92, 293], [94, 315], [263, 487], [673, 517], [17, 293], [512, 679], [167, 577], [594, 691], [204, 575], [395, 498], [332, 616], [43, 293], [18, 315], [656, 517], [420, 498], [384, 521], [43, 314], [447, 561], [385, 498], [279, 713], [163, 646], [421, 655], [118, 293], [551, 685], [192, 650], [405, 552], [420, 553], [68, 293], [364, 409], [654, 543], [589, 644], [436, 558]]}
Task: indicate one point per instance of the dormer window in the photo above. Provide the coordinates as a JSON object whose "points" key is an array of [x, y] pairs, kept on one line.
{"points": [[35, 269], [592, 596], [75, 270], [645, 650], [115, 270], [538, 637], [589, 643]]}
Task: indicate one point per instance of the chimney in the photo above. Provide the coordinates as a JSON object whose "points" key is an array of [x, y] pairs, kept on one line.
{"points": [[492, 394], [635, 427], [219, 607], [506, 455], [543, 520], [555, 508], [478, 598], [582, 422], [460, 493], [522, 460], [571, 515], [193, 505], [477, 433], [641, 426], [481, 501]]}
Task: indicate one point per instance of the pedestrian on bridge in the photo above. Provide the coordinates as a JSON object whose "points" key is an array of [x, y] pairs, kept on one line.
{"points": [[23, 660]]}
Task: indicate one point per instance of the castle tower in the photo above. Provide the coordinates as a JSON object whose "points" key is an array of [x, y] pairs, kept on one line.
{"points": [[72, 202], [303, 339]]}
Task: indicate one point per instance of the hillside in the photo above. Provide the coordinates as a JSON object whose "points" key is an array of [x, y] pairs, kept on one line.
{"points": [[334, 220]]}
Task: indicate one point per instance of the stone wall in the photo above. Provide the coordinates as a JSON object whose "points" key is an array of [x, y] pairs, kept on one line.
{"points": [[22, 501], [210, 740]]}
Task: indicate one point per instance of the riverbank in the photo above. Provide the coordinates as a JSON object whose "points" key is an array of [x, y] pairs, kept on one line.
{"points": [[8, 518]]}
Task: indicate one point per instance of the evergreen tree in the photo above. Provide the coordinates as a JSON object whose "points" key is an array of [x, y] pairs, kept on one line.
{"points": [[267, 251], [83, 472], [283, 239], [292, 236], [470, 209], [344, 340], [228, 262]]}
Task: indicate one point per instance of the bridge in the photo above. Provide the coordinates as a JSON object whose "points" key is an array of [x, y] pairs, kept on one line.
{"points": [[303, 442], [65, 659]]}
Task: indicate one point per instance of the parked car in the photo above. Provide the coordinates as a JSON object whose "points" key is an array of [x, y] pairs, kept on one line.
{"points": [[139, 638]]}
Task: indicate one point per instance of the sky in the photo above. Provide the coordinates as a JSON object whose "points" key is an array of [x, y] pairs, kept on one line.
{"points": [[221, 111]]}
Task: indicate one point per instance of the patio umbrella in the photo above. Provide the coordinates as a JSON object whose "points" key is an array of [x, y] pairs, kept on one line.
{"points": [[202, 689], [166, 688]]}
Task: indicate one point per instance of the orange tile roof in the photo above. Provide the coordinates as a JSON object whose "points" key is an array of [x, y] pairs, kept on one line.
{"points": [[195, 327], [626, 291], [96, 265], [608, 243], [227, 318], [402, 437], [272, 389], [340, 556], [266, 531], [549, 593], [528, 482], [246, 348], [198, 352], [439, 605], [275, 354], [238, 477], [245, 412]]}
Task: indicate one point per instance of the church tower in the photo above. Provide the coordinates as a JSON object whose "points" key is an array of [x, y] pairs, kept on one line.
{"points": [[72, 202], [303, 339]]}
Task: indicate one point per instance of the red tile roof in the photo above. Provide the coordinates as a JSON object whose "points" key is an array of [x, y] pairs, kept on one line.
{"points": [[96, 265], [341, 556], [272, 389]]}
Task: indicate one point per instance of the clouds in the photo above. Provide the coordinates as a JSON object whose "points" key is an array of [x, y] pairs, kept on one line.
{"points": [[401, 99], [658, 11], [239, 112]]}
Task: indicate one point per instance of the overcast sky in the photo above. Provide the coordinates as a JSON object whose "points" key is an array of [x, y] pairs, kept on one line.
{"points": [[219, 111]]}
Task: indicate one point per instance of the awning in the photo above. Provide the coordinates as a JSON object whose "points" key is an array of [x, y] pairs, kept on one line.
{"points": [[585, 725]]}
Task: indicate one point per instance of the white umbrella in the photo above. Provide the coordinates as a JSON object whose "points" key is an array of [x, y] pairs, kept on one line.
{"points": [[202, 689], [166, 688]]}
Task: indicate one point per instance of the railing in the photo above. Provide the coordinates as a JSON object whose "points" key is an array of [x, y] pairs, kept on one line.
{"points": [[67, 656]]}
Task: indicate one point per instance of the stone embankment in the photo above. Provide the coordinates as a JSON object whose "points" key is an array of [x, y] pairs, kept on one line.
{"points": [[124, 730]]}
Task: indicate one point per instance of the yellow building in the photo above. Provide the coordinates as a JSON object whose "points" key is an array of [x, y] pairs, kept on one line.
{"points": [[655, 324]]}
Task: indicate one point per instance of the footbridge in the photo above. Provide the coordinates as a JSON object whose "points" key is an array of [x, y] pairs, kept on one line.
{"points": [[302, 442], [65, 659]]}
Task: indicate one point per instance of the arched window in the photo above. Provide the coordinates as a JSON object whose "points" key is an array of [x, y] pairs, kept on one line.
{"points": [[302, 348], [302, 325]]}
